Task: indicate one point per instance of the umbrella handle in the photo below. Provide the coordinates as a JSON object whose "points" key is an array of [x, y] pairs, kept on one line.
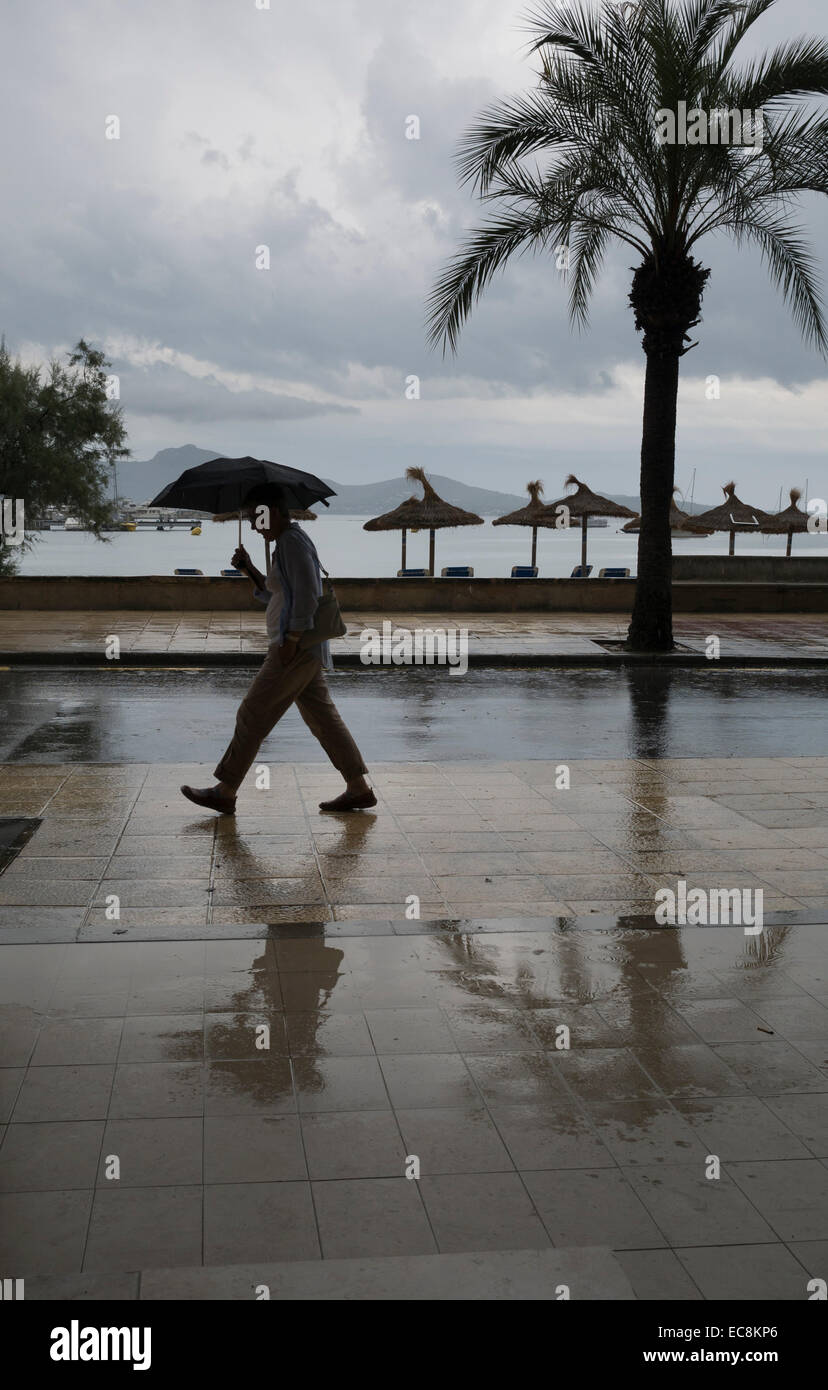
{"points": [[240, 526]]}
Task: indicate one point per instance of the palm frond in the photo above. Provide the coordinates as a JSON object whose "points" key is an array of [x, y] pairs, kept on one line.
{"points": [[588, 246], [791, 265], [577, 161], [797, 68], [469, 272]]}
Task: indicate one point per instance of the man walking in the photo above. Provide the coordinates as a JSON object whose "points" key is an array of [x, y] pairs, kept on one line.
{"points": [[290, 674]]}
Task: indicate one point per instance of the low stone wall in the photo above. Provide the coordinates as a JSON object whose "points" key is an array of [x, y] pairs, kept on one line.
{"points": [[753, 569], [167, 594]]}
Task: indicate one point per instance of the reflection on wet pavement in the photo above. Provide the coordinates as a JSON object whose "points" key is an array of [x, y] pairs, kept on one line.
{"points": [[559, 1087], [448, 841], [123, 715], [223, 1039]]}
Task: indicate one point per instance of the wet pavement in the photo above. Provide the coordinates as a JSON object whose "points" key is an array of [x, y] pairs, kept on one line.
{"points": [[531, 636], [460, 840], [152, 1137], [122, 715], [439, 1046]]}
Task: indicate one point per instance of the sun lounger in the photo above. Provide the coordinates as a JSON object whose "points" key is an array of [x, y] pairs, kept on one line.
{"points": [[412, 574], [613, 573], [581, 572], [524, 571], [188, 573], [233, 574], [457, 572]]}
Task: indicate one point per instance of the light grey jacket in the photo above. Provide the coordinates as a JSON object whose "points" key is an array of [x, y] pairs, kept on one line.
{"points": [[294, 584]]}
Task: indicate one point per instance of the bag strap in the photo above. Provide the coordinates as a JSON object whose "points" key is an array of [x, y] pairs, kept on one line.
{"points": [[327, 582]]}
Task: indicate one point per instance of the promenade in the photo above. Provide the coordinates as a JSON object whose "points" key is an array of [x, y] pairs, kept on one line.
{"points": [[498, 841], [546, 638], [224, 1041]]}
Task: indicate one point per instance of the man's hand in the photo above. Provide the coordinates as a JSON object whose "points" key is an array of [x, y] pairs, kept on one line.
{"points": [[242, 561], [288, 650]]}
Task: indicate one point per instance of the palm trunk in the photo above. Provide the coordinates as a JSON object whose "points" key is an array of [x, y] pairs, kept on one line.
{"points": [[651, 626], [666, 296]]}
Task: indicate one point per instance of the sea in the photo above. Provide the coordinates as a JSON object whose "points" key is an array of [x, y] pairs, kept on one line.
{"points": [[348, 551]]}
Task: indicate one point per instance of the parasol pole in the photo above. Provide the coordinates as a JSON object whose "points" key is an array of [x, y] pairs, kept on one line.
{"points": [[534, 545], [403, 547], [732, 546], [788, 546], [431, 553], [583, 539]]}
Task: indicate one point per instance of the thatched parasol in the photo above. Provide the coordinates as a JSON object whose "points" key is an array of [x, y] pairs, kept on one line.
{"points": [[734, 515], [534, 514], [427, 513], [791, 519], [679, 521], [584, 503]]}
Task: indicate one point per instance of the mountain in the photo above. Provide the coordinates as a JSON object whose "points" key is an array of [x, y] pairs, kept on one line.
{"points": [[144, 479], [372, 499], [141, 480]]}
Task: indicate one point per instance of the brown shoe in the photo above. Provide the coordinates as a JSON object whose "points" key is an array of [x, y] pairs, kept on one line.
{"points": [[207, 797], [350, 801]]}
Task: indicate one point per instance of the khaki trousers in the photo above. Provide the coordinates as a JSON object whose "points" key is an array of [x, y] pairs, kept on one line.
{"points": [[274, 690]]}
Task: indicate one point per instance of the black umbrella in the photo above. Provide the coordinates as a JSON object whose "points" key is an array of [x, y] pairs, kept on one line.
{"points": [[221, 485]]}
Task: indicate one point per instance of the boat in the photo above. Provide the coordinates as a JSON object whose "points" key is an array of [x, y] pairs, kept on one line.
{"points": [[162, 519], [72, 524]]}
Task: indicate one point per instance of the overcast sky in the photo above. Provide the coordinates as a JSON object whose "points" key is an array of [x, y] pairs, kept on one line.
{"points": [[285, 127]]}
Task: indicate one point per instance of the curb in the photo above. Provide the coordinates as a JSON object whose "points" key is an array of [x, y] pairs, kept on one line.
{"points": [[350, 660]]}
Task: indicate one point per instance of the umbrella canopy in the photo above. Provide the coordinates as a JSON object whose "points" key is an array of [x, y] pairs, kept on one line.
{"points": [[584, 503], [734, 515], [427, 513], [679, 521], [788, 521], [534, 514], [221, 485]]}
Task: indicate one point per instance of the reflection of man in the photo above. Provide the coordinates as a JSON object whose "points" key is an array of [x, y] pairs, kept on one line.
{"points": [[290, 674]]}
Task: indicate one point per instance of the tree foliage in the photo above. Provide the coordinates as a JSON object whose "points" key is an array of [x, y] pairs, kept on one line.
{"points": [[60, 438], [577, 161]]}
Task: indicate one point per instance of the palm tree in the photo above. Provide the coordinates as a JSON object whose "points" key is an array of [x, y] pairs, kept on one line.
{"points": [[607, 76]]}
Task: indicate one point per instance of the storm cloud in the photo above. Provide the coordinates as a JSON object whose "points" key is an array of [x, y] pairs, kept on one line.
{"points": [[245, 130]]}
